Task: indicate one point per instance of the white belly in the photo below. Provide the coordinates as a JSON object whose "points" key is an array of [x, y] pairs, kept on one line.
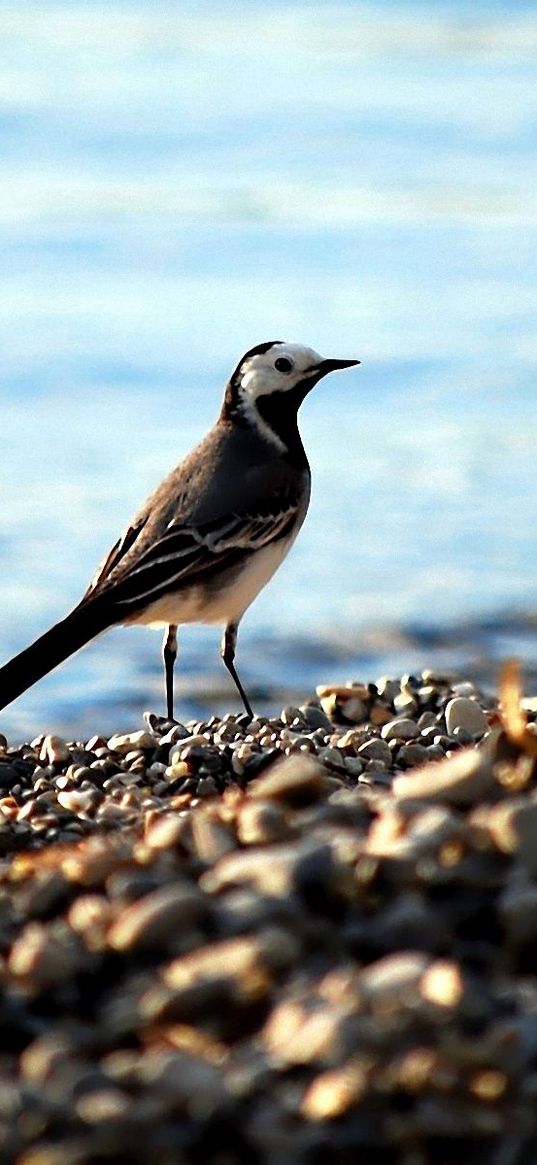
{"points": [[225, 605]]}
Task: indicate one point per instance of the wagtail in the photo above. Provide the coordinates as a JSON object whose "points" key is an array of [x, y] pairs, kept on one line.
{"points": [[212, 534]]}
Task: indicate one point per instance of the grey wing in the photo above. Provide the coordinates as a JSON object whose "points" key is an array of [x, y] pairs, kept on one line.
{"points": [[142, 567]]}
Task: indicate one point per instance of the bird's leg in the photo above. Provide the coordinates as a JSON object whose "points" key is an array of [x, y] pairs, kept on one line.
{"points": [[169, 655], [229, 642]]}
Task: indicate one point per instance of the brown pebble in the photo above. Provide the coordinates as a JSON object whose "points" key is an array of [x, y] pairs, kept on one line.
{"points": [[331, 1094], [43, 1055], [83, 802], [513, 828], [158, 920], [395, 974], [211, 838], [269, 870], [100, 1106], [42, 957], [295, 1034], [261, 823], [246, 964], [298, 780], [164, 831], [90, 915]]}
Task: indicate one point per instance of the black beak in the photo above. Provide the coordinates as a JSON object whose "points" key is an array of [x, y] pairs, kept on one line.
{"points": [[327, 366]]}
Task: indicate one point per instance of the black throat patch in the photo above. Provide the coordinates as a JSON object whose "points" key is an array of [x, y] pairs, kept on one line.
{"points": [[279, 411]]}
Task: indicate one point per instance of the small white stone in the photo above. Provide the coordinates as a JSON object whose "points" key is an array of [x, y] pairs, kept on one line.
{"points": [[464, 713], [127, 741], [53, 750], [395, 973], [399, 730], [78, 801]]}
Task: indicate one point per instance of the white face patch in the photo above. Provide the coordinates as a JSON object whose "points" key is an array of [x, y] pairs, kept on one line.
{"points": [[278, 370]]}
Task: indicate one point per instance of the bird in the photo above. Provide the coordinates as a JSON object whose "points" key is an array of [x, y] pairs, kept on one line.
{"points": [[212, 534]]}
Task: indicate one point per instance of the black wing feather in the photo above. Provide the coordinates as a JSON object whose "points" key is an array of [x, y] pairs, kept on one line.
{"points": [[183, 556]]}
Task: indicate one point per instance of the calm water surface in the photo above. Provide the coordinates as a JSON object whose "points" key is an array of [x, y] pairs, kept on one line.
{"points": [[181, 181]]}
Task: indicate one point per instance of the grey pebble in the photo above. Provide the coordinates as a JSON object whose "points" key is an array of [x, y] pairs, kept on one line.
{"points": [[315, 717], [376, 749], [412, 754]]}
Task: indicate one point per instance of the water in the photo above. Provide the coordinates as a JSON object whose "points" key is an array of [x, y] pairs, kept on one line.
{"points": [[182, 181]]}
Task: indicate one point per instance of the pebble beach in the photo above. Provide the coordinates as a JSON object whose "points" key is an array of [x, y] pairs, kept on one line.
{"points": [[277, 940]]}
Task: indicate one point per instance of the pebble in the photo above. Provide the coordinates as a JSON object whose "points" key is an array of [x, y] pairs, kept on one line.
{"points": [[310, 935], [126, 742], [462, 779], [376, 750], [83, 802], [397, 973], [442, 984], [261, 823], [42, 956], [159, 920], [333, 1093], [399, 730], [467, 714], [295, 781], [164, 832], [53, 750], [411, 755], [405, 704]]}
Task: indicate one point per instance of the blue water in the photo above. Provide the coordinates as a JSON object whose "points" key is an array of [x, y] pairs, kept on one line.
{"points": [[183, 180]]}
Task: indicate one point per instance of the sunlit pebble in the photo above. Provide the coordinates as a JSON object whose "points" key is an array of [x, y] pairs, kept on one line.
{"points": [[488, 1085], [442, 984]]}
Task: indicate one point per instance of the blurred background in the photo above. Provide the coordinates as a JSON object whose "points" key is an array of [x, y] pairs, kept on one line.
{"points": [[180, 181]]}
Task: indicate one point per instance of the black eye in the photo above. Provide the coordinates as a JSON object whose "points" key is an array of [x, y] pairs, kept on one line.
{"points": [[283, 364]]}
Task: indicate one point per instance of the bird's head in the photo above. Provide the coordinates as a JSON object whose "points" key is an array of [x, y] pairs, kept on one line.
{"points": [[271, 381]]}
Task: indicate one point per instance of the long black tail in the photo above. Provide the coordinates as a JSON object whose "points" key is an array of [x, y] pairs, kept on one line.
{"points": [[81, 625]]}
